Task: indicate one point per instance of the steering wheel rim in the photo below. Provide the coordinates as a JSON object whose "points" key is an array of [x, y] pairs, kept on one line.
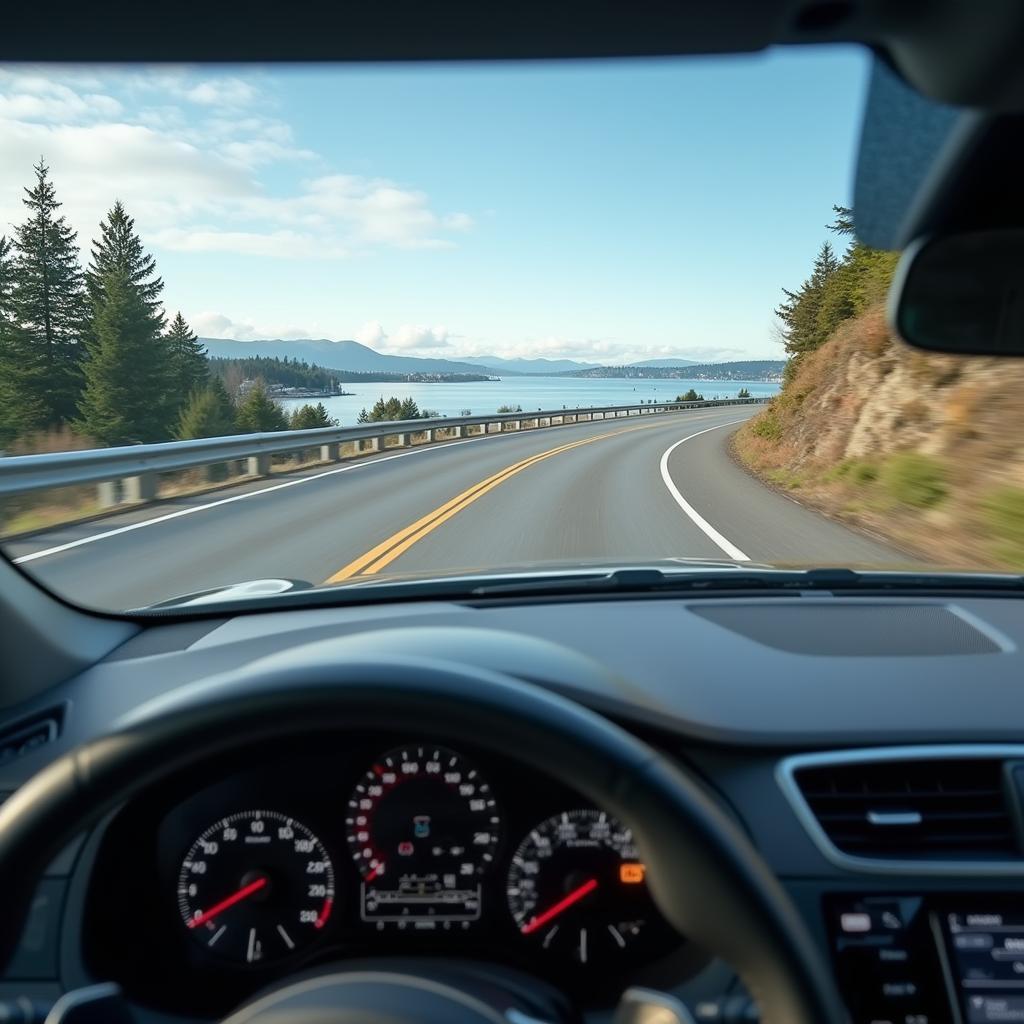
{"points": [[706, 877]]}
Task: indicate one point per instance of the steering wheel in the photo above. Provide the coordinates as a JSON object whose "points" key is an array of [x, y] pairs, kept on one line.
{"points": [[705, 876]]}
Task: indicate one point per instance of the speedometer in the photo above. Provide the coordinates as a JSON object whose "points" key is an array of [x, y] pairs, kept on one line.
{"points": [[422, 827], [255, 886]]}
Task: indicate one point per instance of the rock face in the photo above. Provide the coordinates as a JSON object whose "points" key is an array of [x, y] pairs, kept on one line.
{"points": [[865, 397]]}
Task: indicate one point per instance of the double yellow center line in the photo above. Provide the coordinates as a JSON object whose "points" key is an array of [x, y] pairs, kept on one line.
{"points": [[378, 558]]}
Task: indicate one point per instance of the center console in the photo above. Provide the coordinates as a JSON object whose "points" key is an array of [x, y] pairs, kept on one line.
{"points": [[929, 959]]}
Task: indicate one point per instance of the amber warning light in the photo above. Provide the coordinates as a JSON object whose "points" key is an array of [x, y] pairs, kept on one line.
{"points": [[631, 874]]}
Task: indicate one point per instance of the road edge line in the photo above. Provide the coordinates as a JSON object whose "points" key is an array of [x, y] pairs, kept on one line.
{"points": [[699, 521]]}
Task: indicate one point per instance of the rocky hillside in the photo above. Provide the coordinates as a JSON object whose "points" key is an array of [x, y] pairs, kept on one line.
{"points": [[927, 451]]}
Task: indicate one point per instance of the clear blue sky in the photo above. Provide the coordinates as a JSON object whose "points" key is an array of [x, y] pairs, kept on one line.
{"points": [[605, 211]]}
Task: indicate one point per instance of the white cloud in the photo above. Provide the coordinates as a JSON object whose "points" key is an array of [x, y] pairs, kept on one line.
{"points": [[222, 92], [191, 183], [371, 333], [34, 97], [278, 244], [209, 324], [418, 336], [254, 152]]}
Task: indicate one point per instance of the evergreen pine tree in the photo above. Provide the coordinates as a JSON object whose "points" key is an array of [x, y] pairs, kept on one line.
{"points": [[258, 411], [208, 413], [49, 312], [119, 248], [118, 255], [408, 410], [309, 417], [126, 373], [189, 368], [10, 410]]}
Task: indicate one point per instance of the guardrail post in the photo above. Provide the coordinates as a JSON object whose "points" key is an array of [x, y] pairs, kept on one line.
{"points": [[402, 440], [140, 488], [107, 493], [330, 452], [258, 465], [457, 431]]}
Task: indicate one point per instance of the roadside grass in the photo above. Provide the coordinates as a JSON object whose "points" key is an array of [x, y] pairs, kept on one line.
{"points": [[914, 479], [854, 471], [1003, 513]]}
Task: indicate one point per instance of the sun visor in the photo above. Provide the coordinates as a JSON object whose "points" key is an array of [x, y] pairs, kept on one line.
{"points": [[904, 142]]}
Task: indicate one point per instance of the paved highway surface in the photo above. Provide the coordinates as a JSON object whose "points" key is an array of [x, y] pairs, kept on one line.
{"points": [[627, 489]]}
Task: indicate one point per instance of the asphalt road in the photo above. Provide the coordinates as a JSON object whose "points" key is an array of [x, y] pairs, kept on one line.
{"points": [[629, 489]]}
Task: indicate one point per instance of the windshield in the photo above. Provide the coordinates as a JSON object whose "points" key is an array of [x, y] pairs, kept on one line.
{"points": [[289, 327]]}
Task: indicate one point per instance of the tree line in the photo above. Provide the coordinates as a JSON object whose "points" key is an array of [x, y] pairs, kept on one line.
{"points": [[291, 373], [388, 410], [838, 288], [91, 349]]}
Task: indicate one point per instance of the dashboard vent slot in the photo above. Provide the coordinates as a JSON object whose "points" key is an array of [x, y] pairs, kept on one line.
{"points": [[913, 809], [29, 733]]}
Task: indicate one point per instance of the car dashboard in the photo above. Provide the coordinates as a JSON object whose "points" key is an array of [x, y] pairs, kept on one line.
{"points": [[870, 747]]}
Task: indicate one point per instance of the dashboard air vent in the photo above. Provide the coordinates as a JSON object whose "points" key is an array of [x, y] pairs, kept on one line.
{"points": [[29, 733], [913, 809]]}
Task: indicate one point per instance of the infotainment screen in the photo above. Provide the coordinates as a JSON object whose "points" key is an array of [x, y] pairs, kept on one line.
{"points": [[986, 957]]}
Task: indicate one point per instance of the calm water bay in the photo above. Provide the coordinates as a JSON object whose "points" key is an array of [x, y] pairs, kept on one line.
{"points": [[531, 393]]}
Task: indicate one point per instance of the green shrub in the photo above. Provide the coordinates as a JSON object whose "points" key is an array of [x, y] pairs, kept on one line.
{"points": [[857, 471], [914, 479], [1004, 514], [767, 425]]}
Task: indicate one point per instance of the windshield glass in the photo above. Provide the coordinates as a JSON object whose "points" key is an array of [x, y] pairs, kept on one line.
{"points": [[611, 313]]}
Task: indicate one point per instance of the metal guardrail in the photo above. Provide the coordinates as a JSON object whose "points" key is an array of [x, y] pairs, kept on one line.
{"points": [[138, 466]]}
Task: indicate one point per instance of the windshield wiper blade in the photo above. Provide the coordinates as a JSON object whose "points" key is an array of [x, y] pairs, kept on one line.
{"points": [[642, 580], [740, 578]]}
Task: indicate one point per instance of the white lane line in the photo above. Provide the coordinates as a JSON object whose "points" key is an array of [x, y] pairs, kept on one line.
{"points": [[47, 552], [724, 543]]}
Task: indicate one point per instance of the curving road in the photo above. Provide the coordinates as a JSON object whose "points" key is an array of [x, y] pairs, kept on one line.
{"points": [[627, 489]]}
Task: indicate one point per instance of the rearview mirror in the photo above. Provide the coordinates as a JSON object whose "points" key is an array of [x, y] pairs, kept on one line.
{"points": [[962, 294]]}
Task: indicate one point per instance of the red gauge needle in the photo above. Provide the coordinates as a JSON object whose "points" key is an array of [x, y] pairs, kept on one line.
{"points": [[563, 904], [230, 901]]}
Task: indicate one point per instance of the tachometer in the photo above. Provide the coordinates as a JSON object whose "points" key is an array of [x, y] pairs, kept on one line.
{"points": [[422, 826], [256, 885], [576, 886]]}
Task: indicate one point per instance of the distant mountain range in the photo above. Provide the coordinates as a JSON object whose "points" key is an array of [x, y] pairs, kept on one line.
{"points": [[335, 355], [745, 369], [534, 366], [665, 362], [356, 357]]}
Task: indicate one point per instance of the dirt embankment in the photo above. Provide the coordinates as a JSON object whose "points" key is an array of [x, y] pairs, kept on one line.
{"points": [[927, 450]]}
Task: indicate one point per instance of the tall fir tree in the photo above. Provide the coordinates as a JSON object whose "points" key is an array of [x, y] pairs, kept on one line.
{"points": [[190, 370], [49, 311], [126, 373], [120, 262], [120, 248], [10, 425]]}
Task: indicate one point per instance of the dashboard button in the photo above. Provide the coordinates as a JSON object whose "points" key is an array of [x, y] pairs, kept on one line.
{"points": [[893, 955], [855, 922], [899, 990]]}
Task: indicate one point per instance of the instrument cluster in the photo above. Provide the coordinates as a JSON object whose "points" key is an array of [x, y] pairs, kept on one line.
{"points": [[409, 847]]}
